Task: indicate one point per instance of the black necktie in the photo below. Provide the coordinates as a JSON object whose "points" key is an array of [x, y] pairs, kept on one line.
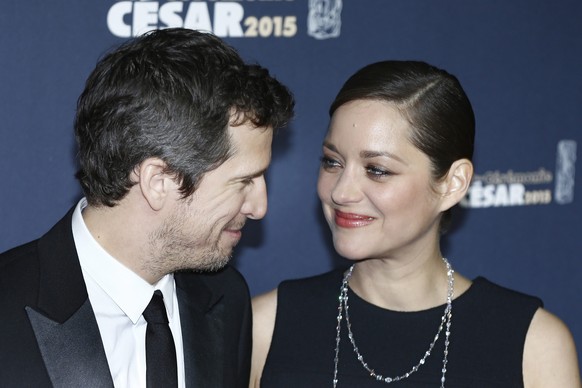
{"points": [[161, 364]]}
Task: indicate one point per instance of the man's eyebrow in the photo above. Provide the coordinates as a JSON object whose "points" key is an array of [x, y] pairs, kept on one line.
{"points": [[251, 175]]}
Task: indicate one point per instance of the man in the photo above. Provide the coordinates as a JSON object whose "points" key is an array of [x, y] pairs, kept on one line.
{"points": [[174, 133]]}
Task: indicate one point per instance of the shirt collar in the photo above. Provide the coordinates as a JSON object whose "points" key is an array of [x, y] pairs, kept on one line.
{"points": [[128, 290]]}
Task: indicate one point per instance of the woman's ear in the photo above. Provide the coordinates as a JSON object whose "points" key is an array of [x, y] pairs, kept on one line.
{"points": [[456, 183], [154, 182]]}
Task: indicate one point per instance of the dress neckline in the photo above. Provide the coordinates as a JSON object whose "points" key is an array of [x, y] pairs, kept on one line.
{"points": [[476, 283]]}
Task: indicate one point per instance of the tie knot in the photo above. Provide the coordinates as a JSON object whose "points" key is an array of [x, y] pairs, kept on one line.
{"points": [[156, 310]]}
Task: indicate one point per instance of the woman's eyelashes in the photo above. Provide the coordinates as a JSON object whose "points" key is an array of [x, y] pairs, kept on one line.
{"points": [[376, 172], [328, 163]]}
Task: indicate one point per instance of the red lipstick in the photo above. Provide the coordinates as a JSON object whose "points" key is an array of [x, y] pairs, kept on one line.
{"points": [[351, 220]]}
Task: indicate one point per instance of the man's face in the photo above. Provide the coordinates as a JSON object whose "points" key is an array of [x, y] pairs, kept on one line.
{"points": [[203, 229]]}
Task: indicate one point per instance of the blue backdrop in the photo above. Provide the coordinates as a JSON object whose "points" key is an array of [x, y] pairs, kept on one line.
{"points": [[520, 62]]}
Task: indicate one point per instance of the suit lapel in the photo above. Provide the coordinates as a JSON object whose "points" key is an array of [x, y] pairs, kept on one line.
{"points": [[202, 321], [63, 321], [72, 351]]}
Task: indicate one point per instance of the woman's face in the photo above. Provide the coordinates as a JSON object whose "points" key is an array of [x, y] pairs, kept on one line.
{"points": [[375, 187]]}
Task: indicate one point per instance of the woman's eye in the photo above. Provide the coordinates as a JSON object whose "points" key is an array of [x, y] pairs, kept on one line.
{"points": [[328, 163], [378, 172]]}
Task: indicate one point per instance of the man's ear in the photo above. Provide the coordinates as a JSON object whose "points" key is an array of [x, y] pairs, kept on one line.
{"points": [[456, 183], [155, 184]]}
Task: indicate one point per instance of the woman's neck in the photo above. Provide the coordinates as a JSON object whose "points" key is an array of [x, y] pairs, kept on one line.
{"points": [[401, 284]]}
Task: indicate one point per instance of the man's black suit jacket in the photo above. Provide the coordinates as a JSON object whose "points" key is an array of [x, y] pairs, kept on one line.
{"points": [[49, 335]]}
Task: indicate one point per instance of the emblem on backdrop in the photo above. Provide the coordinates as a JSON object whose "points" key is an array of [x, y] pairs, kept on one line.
{"points": [[324, 19], [565, 170]]}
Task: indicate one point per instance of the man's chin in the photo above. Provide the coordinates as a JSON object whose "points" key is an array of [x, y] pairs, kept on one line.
{"points": [[213, 264], [218, 266], [218, 263]]}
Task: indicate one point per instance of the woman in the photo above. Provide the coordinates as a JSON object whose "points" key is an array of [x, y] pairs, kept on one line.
{"points": [[396, 159]]}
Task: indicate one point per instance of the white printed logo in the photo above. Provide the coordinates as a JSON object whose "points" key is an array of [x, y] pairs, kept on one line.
{"points": [[324, 20], [129, 18], [511, 188]]}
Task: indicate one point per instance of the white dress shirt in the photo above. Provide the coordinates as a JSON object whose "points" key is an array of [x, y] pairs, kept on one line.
{"points": [[118, 297]]}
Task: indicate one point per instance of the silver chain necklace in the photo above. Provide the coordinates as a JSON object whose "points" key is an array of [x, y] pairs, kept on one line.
{"points": [[445, 322]]}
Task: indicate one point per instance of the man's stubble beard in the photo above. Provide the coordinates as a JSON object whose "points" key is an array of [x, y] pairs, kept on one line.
{"points": [[172, 250]]}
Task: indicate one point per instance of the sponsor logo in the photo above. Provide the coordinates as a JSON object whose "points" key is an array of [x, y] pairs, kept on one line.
{"points": [[232, 19], [511, 188]]}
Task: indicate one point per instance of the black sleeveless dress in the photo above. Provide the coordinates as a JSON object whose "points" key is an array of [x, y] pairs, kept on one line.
{"points": [[488, 330]]}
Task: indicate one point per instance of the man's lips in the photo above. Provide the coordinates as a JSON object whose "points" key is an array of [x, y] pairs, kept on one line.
{"points": [[234, 235], [351, 220], [234, 230]]}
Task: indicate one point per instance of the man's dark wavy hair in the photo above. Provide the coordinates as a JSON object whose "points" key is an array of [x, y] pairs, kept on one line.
{"points": [[169, 94]]}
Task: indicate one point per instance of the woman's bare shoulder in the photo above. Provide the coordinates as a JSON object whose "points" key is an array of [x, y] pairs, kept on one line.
{"points": [[549, 358]]}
